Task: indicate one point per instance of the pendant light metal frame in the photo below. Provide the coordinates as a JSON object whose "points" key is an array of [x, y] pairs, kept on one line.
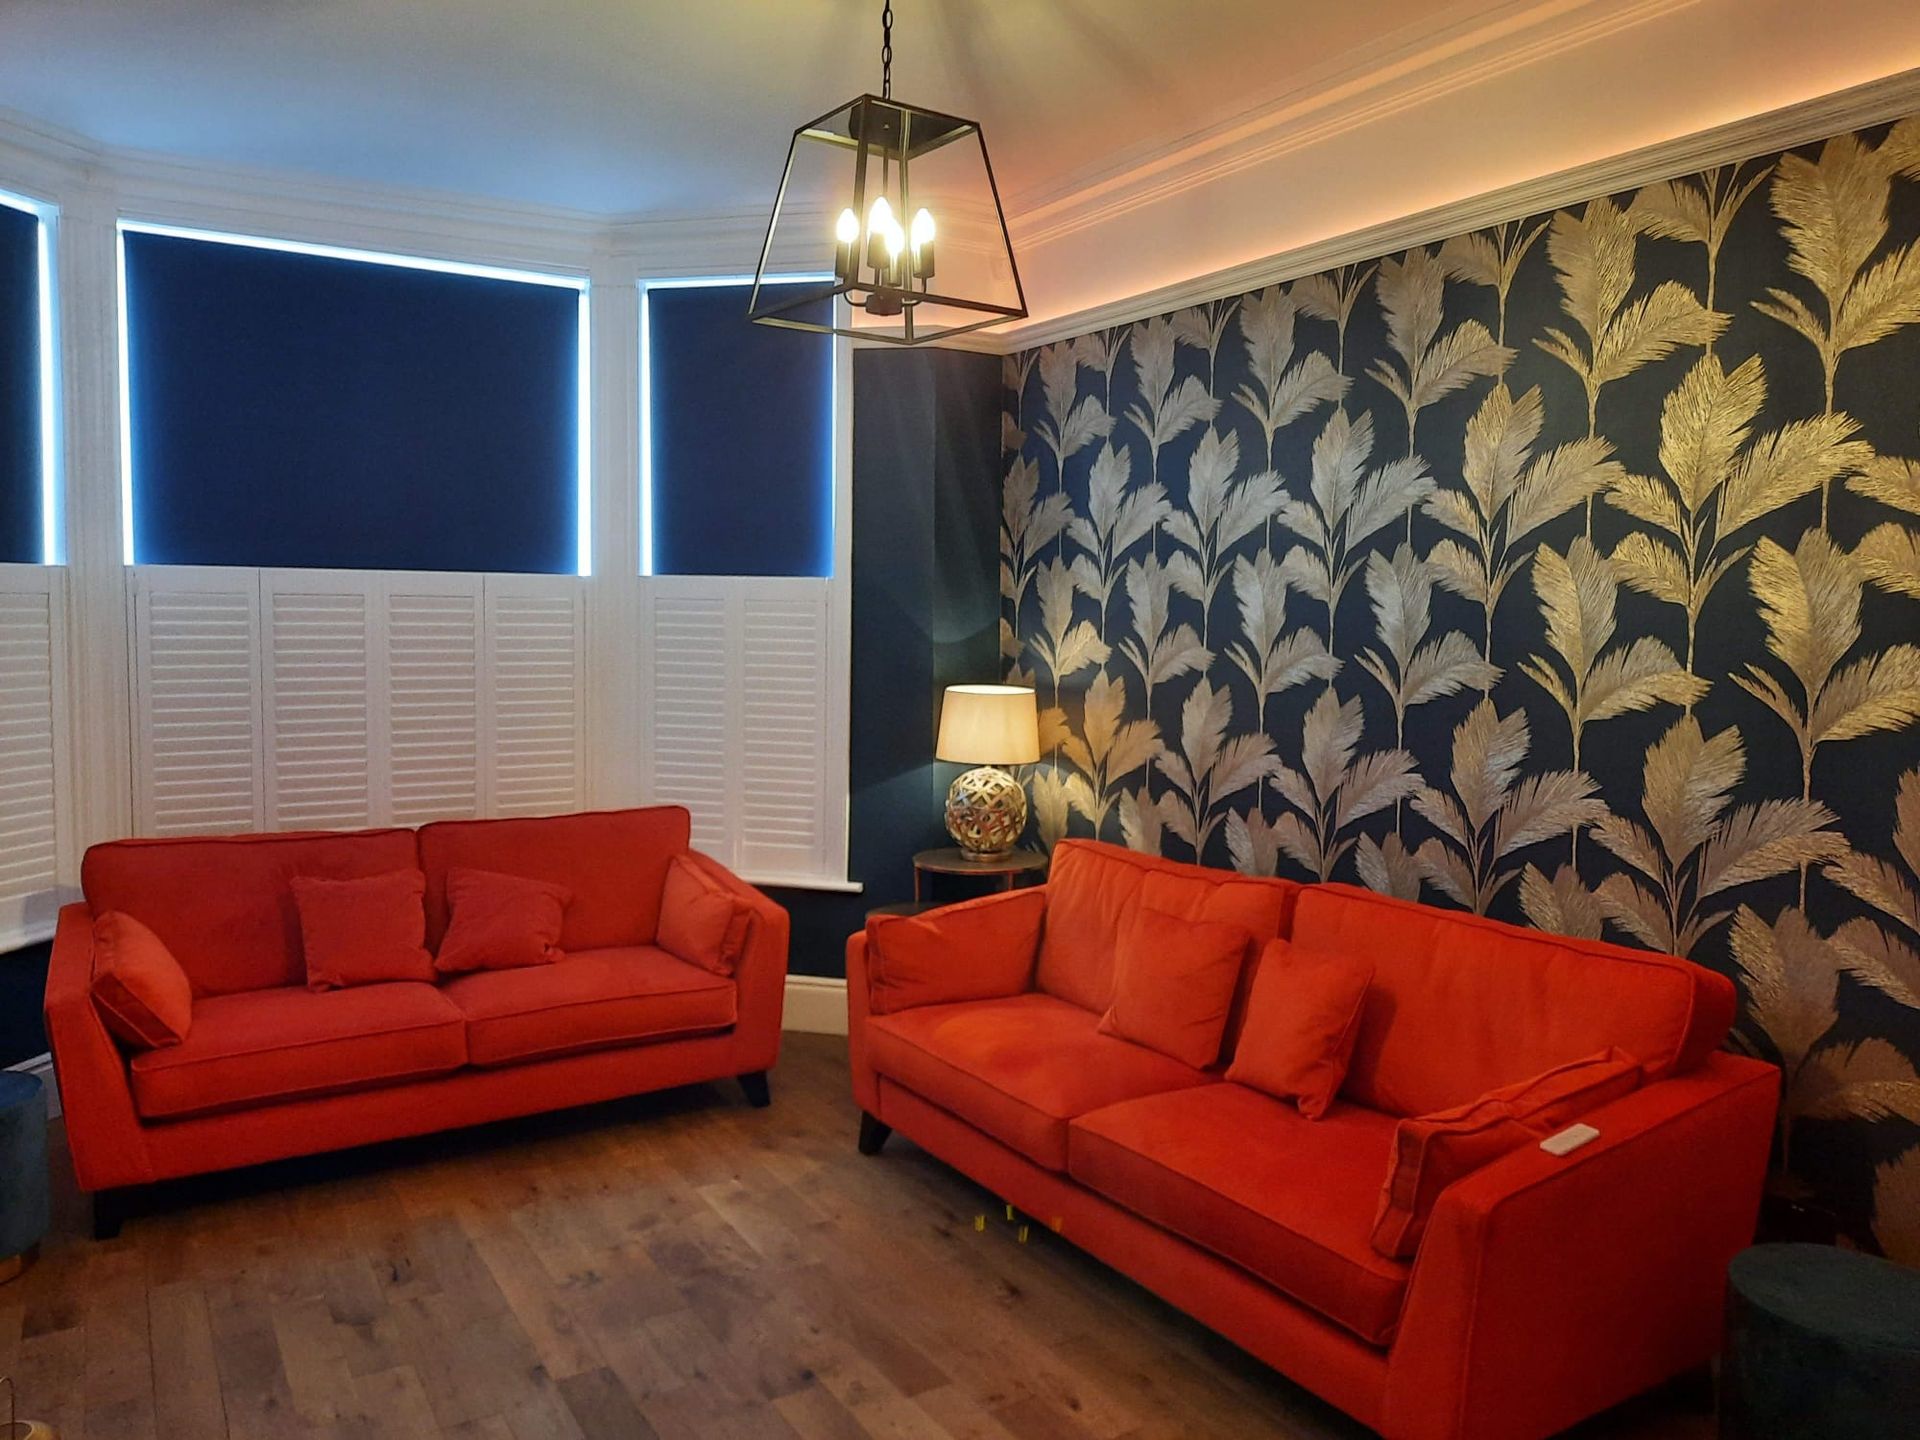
{"points": [[889, 133]]}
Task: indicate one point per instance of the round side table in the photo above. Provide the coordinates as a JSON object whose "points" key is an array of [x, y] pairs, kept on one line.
{"points": [[23, 1169], [1009, 871], [1822, 1344]]}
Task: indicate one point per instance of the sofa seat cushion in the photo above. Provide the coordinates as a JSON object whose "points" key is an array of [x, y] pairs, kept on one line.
{"points": [[1248, 1177], [588, 1000], [261, 1047], [1021, 1067]]}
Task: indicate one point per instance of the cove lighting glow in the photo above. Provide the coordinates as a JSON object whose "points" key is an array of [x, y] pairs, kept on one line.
{"points": [[583, 536]]}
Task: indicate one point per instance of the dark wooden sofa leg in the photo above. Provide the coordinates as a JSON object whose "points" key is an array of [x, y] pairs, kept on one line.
{"points": [[754, 1085], [110, 1211], [873, 1134]]}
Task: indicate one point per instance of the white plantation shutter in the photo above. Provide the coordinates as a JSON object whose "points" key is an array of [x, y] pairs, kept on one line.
{"points": [[739, 727], [535, 644], [32, 749], [433, 697], [687, 742], [197, 758], [319, 676], [286, 700]]}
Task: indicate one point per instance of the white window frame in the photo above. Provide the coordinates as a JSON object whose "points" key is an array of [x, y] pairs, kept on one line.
{"points": [[828, 867], [579, 283]]}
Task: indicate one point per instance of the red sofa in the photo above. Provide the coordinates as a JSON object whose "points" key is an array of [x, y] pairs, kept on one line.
{"points": [[1544, 1289], [269, 1069]]}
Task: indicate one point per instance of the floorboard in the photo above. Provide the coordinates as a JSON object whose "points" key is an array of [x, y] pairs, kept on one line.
{"points": [[676, 1266]]}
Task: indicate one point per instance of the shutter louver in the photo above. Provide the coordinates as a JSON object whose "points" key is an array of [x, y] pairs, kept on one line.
{"points": [[534, 661], [783, 729], [433, 703], [198, 674], [689, 692], [30, 716], [320, 687]]}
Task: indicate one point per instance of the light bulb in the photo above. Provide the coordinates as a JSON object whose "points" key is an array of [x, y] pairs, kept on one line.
{"points": [[922, 227], [847, 229], [895, 237], [880, 217]]}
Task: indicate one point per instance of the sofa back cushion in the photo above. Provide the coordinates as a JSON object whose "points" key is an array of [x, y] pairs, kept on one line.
{"points": [[1461, 1005], [223, 905], [613, 861], [1093, 890]]}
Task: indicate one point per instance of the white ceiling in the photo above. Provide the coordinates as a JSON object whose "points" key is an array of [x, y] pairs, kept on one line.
{"points": [[666, 106]]}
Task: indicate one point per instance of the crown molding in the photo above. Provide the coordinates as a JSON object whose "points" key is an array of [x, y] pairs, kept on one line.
{"points": [[1410, 67], [1872, 103]]}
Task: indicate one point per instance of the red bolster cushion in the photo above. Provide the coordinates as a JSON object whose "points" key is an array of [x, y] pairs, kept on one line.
{"points": [[977, 950], [1303, 1016], [365, 931], [1173, 984], [1432, 1151], [500, 922], [142, 994], [701, 921]]}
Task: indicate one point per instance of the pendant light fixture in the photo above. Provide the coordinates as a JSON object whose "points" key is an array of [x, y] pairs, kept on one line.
{"points": [[899, 204]]}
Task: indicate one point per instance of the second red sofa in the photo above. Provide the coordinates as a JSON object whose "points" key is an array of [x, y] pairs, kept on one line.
{"points": [[1545, 1288]]}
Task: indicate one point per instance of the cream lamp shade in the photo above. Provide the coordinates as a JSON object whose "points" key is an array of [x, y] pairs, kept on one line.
{"points": [[989, 725]]}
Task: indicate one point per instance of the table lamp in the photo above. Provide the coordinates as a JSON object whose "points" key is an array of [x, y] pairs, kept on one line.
{"points": [[987, 726]]}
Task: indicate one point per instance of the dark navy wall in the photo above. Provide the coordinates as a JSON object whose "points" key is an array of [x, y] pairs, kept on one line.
{"points": [[925, 615]]}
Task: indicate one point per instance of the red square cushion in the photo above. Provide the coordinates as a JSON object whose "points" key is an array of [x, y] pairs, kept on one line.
{"points": [[500, 922], [1173, 984], [1433, 1151], [268, 1046], [613, 861], [702, 921], [1302, 1019], [975, 950], [1092, 889], [1018, 1068], [222, 903], [364, 931], [1249, 1178], [139, 988], [591, 1000]]}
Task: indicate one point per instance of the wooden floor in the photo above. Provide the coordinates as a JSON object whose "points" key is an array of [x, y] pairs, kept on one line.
{"points": [[678, 1265]]}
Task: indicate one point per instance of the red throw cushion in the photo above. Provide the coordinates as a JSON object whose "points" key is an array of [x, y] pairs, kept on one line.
{"points": [[1433, 1151], [701, 921], [1173, 983], [141, 991], [977, 950], [500, 922], [1302, 1019], [363, 932]]}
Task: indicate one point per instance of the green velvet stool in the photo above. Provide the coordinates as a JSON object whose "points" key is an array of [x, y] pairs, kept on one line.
{"points": [[1822, 1344], [23, 1168]]}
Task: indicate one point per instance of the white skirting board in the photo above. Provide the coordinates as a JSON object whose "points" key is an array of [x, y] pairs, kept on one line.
{"points": [[42, 1065], [816, 1005]]}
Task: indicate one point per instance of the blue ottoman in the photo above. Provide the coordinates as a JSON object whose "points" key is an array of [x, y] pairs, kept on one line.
{"points": [[1822, 1344], [23, 1168]]}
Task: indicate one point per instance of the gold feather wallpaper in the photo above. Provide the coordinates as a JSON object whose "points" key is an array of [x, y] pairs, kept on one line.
{"points": [[1567, 571]]}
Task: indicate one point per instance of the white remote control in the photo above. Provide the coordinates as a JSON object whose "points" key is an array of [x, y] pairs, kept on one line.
{"points": [[1569, 1139]]}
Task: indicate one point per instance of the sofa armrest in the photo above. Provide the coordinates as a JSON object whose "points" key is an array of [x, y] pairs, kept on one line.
{"points": [[760, 977], [1547, 1288], [981, 949], [104, 1134]]}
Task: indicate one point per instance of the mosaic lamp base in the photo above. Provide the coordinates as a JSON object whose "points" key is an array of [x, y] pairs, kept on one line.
{"points": [[986, 813]]}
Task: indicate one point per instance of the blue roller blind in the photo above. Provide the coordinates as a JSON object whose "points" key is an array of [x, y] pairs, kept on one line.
{"points": [[20, 437], [741, 438], [313, 411]]}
